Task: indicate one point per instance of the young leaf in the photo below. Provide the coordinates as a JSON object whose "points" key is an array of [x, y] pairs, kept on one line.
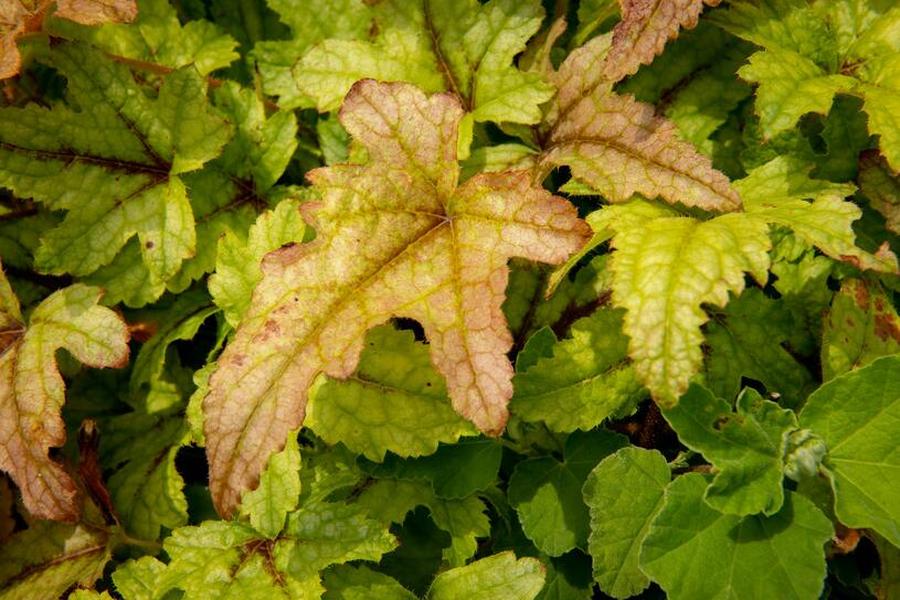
{"points": [[394, 402], [644, 30], [624, 493], [32, 391], [488, 578], [692, 551], [618, 146], [546, 493], [777, 192], [114, 165], [862, 325], [434, 252], [746, 448], [854, 414], [278, 492], [662, 272], [584, 381]]}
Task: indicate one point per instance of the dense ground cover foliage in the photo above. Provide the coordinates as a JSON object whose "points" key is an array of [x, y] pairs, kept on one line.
{"points": [[449, 299]]}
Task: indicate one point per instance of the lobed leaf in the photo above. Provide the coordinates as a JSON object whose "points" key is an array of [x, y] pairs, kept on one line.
{"points": [[434, 252], [32, 391]]}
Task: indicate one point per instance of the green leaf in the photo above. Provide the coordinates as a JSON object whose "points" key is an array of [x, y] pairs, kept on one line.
{"points": [[746, 447], [862, 325], [855, 415], [882, 188], [145, 485], [390, 500], [157, 37], [500, 575], [777, 193], [137, 579], [395, 401], [546, 493], [584, 381], [662, 272], [454, 471], [113, 165], [624, 493], [278, 491], [238, 261], [345, 582], [751, 338], [692, 551], [48, 558], [465, 48]]}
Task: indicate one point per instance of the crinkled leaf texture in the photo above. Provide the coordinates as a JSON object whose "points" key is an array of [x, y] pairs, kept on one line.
{"points": [[645, 28], [114, 165], [395, 237], [663, 271], [618, 146], [32, 391]]}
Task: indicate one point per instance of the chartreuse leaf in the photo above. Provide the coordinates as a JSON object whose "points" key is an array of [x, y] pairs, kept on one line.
{"points": [[463, 47], [644, 30], [114, 164], [434, 252], [749, 339], [345, 582], [546, 492], [662, 272], [693, 551], [231, 560], [32, 391], [497, 576], [814, 52], [862, 325], [746, 447], [624, 492], [395, 401], [48, 558], [389, 501], [584, 381], [237, 261], [157, 37], [777, 192], [139, 579], [856, 415], [278, 492], [618, 146]]}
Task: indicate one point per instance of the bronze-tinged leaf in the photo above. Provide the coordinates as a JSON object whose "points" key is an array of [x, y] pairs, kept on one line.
{"points": [[32, 392], [396, 237], [618, 146], [18, 18], [96, 12], [645, 28]]}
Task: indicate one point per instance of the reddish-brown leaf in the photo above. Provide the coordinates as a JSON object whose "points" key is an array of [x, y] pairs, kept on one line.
{"points": [[395, 237]]}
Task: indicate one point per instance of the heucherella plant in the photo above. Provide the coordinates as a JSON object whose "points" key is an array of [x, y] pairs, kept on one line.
{"points": [[438, 299]]}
